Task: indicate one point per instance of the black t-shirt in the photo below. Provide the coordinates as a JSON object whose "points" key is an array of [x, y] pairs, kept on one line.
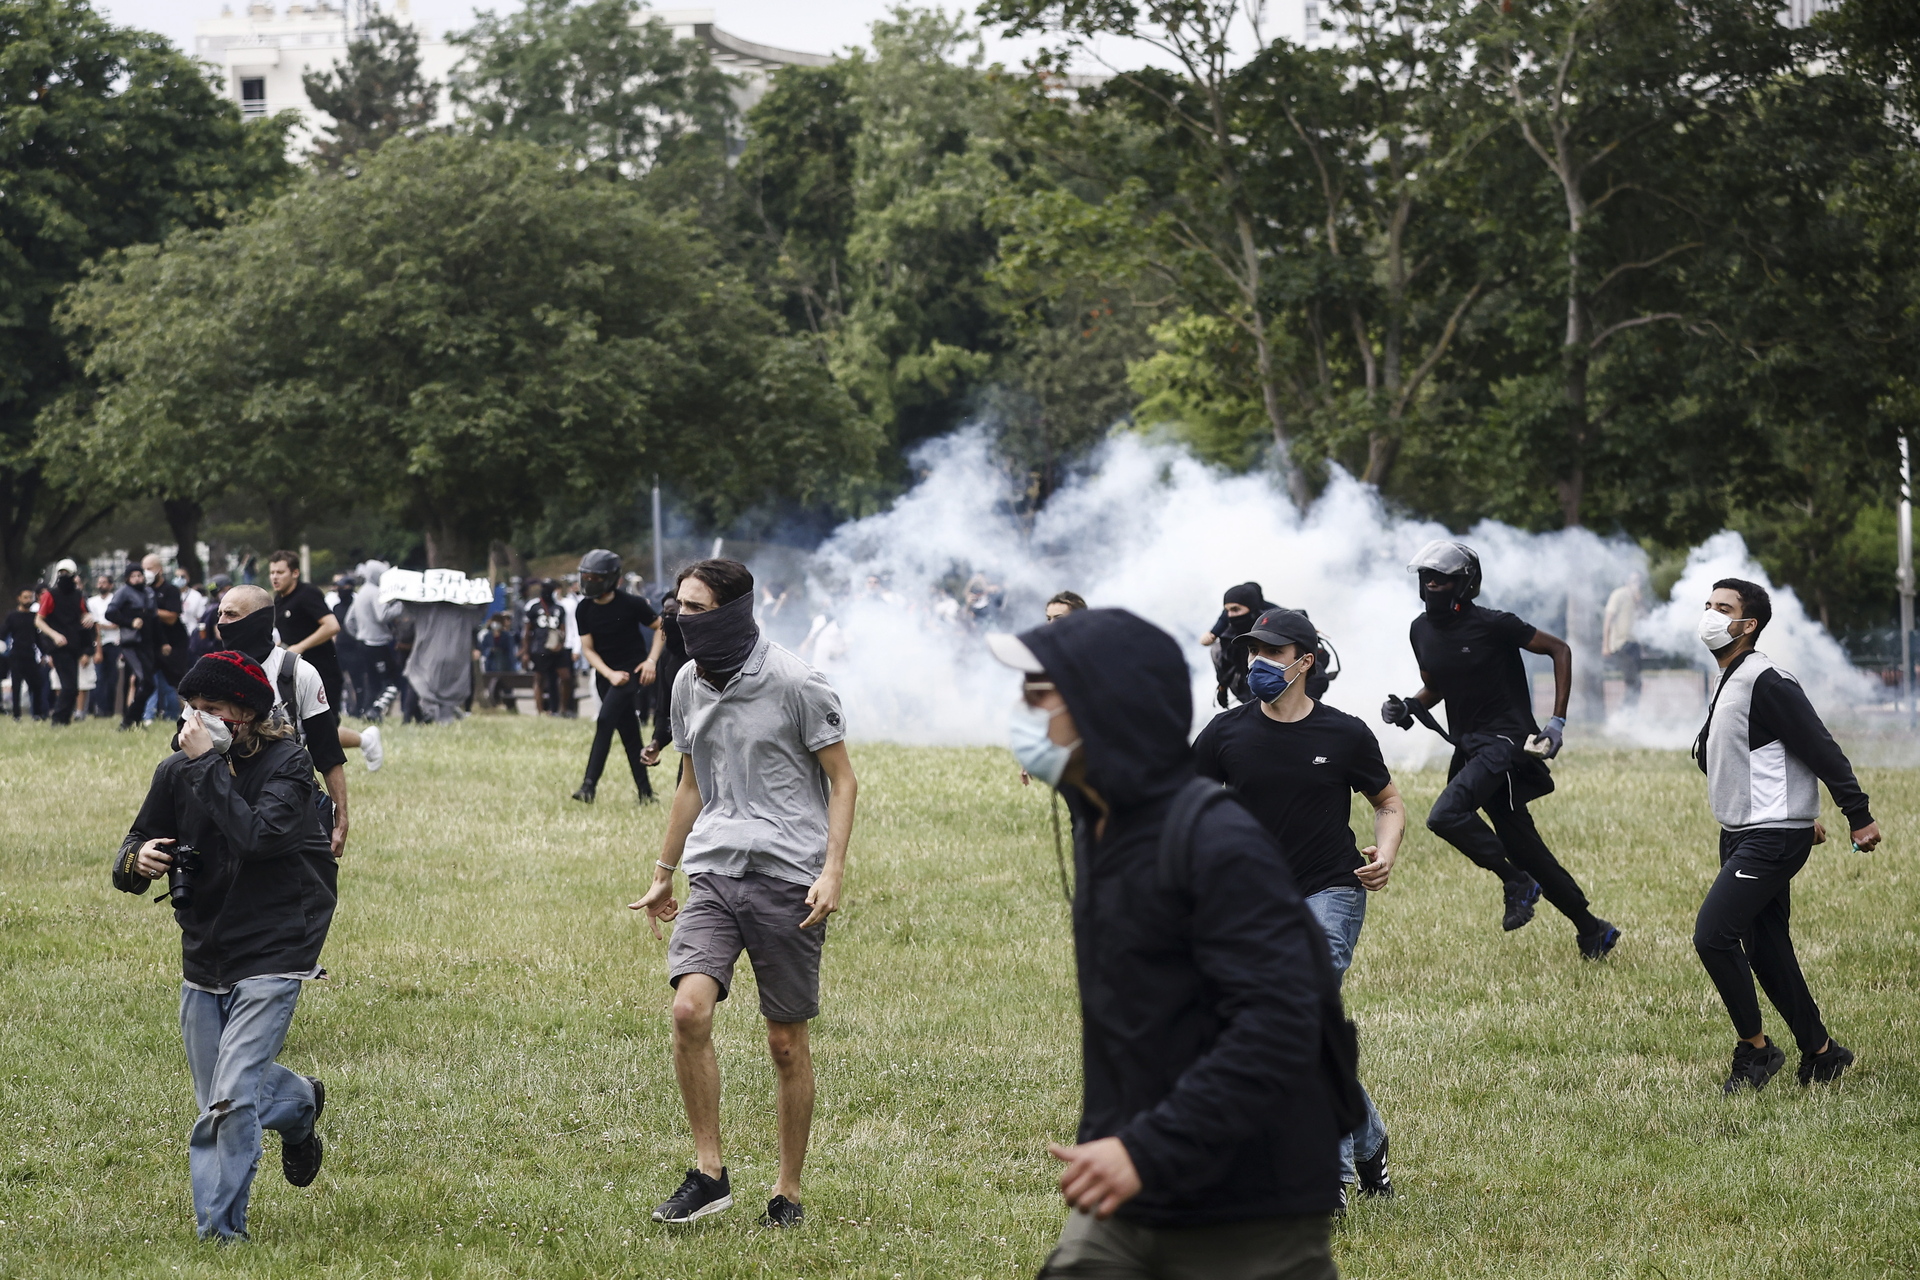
{"points": [[20, 629], [1473, 663], [620, 629], [297, 615], [1298, 780]]}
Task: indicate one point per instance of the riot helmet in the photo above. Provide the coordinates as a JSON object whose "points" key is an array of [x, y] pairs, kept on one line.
{"points": [[599, 573], [1455, 563]]}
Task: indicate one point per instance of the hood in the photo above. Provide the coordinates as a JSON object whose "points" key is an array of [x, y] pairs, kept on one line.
{"points": [[1127, 685]]}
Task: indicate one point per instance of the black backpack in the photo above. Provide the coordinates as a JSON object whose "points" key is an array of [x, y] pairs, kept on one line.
{"points": [[1339, 1038]]}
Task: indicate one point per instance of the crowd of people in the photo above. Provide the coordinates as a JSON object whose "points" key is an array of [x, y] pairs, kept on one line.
{"points": [[1218, 895]]}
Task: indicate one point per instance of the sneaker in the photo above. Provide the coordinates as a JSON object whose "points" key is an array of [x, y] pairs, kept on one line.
{"points": [[1752, 1067], [647, 797], [1595, 945], [370, 749], [300, 1161], [1826, 1065], [697, 1197], [1373, 1174], [1341, 1212], [782, 1212], [585, 793], [1520, 902]]}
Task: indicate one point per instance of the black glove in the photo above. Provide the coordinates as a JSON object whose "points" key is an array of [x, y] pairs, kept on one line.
{"points": [[1394, 711], [1220, 695]]}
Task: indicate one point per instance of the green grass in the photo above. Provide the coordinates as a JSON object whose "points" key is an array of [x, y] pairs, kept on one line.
{"points": [[501, 1103]]}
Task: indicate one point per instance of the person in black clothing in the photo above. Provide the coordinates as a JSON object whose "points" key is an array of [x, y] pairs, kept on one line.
{"points": [[620, 639], [1295, 763], [23, 656], [543, 648], [1470, 659], [131, 610], [65, 625], [1764, 750], [307, 627], [1238, 607], [1208, 1144], [255, 898], [166, 635], [673, 656], [350, 653]]}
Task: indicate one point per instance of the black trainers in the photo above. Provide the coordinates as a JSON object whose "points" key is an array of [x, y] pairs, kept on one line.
{"points": [[1520, 900], [1373, 1174], [1826, 1065], [300, 1161], [1752, 1067], [697, 1197], [1595, 945], [782, 1212], [585, 793]]}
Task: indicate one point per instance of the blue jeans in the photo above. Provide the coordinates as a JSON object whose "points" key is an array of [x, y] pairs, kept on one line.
{"points": [[163, 702], [232, 1041], [1341, 912]]}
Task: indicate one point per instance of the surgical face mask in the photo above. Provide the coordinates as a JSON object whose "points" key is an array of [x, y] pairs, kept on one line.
{"points": [[1268, 679], [1714, 632], [1037, 753], [217, 728]]}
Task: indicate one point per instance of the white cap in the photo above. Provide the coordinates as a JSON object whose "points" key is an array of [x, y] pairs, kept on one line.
{"points": [[1013, 652], [66, 566]]}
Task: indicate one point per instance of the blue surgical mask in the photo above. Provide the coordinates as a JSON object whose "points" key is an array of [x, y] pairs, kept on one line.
{"points": [[1038, 754], [1268, 679]]}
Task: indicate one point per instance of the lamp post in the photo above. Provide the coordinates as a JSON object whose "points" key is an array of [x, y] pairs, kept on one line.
{"points": [[659, 556], [1906, 584]]}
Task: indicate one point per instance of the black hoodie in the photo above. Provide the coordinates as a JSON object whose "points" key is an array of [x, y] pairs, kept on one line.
{"points": [[1201, 1017]]}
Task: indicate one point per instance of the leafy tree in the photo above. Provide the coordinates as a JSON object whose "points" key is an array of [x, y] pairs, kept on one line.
{"points": [[108, 137], [376, 94]]}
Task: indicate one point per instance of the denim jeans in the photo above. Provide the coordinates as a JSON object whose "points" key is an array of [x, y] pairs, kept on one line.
{"points": [[163, 703], [232, 1041], [1341, 912]]}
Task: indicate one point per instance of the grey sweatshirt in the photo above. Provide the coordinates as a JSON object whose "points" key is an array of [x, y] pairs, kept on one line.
{"points": [[1764, 746]]}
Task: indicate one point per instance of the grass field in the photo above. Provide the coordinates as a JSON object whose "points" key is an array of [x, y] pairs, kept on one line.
{"points": [[494, 1040]]}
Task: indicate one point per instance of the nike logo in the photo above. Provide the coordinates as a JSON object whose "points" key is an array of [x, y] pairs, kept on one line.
{"points": [[1741, 875]]}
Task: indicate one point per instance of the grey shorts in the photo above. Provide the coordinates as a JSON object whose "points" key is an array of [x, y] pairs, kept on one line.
{"points": [[1293, 1248], [759, 915]]}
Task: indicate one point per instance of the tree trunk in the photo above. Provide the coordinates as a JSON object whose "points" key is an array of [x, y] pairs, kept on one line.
{"points": [[183, 517], [447, 548], [283, 524], [1383, 449]]}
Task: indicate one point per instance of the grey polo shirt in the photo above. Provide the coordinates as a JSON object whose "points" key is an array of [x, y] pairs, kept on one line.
{"points": [[752, 745]]}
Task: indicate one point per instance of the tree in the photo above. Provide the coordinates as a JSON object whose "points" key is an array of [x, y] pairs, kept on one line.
{"points": [[376, 94], [108, 137]]}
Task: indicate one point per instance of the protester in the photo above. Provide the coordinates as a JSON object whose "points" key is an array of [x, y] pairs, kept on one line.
{"points": [[1762, 748], [193, 607], [306, 626], [131, 610], [1624, 608], [569, 602], [1237, 609], [1062, 603], [230, 821], [1470, 659], [543, 647], [1208, 1142], [300, 696], [673, 656], [166, 640], [106, 649], [1294, 763], [620, 638], [761, 823], [64, 621], [206, 628], [23, 656], [347, 647]]}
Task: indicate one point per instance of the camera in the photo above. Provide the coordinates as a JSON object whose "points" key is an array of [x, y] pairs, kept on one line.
{"points": [[180, 876]]}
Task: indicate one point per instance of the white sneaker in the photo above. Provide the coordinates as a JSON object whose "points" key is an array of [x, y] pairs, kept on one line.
{"points": [[370, 749]]}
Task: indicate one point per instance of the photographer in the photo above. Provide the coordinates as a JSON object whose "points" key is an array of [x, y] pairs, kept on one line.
{"points": [[230, 821]]}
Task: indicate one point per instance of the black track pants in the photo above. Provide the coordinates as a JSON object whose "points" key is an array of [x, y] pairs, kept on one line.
{"points": [[617, 716], [139, 665], [1742, 932], [66, 664], [1512, 849]]}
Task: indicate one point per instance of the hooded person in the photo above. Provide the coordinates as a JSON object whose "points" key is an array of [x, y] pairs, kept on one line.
{"points": [[1239, 606], [371, 620], [1208, 1131], [64, 621]]}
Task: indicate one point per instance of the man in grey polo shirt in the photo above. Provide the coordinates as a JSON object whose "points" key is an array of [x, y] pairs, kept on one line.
{"points": [[760, 823]]}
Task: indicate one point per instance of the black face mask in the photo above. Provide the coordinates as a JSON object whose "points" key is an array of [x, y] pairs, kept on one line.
{"points": [[1444, 604], [251, 635], [721, 639]]}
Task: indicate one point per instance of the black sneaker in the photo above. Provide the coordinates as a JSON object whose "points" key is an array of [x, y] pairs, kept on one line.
{"points": [[1826, 1065], [697, 1197], [585, 793], [1373, 1174], [1752, 1067], [782, 1212], [1595, 945], [300, 1161], [1520, 900]]}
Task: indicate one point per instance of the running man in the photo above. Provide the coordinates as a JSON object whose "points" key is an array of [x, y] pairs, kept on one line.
{"points": [[1470, 659], [761, 823], [621, 638], [1293, 762], [1762, 748]]}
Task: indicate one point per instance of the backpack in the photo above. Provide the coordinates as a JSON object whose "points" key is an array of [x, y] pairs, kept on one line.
{"points": [[290, 707], [1339, 1037]]}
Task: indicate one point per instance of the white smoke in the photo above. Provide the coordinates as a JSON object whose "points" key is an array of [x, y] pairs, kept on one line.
{"points": [[1150, 529]]}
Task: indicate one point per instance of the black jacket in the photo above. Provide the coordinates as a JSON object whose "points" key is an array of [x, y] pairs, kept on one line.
{"points": [[1201, 1017], [128, 603], [265, 890]]}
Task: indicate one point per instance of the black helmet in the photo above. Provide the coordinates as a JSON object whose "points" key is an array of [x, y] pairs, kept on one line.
{"points": [[1449, 559], [599, 572]]}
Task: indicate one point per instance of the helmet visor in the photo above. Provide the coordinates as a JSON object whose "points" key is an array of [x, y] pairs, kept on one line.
{"points": [[1446, 558]]}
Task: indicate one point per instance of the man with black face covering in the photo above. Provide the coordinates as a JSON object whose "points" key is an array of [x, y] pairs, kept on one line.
{"points": [[620, 638], [65, 622], [1208, 1145], [1238, 608], [761, 821], [1470, 659]]}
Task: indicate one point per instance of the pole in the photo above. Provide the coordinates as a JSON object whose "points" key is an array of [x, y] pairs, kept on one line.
{"points": [[1906, 584], [659, 553]]}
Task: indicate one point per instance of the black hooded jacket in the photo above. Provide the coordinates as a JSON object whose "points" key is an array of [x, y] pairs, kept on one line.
{"points": [[1201, 1012]]}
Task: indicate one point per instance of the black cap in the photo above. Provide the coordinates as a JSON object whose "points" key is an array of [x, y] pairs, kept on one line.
{"points": [[1283, 626]]}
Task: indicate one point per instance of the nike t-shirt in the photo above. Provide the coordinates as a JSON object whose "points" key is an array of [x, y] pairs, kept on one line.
{"points": [[1473, 662], [1298, 779]]}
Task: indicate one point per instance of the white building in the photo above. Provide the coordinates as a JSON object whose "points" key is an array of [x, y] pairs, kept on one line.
{"points": [[261, 54]]}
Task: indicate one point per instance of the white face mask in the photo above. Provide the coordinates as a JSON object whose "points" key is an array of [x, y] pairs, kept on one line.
{"points": [[1713, 630], [1038, 753], [216, 727]]}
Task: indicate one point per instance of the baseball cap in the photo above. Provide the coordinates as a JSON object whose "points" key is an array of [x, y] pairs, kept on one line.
{"points": [[1282, 626], [1012, 651]]}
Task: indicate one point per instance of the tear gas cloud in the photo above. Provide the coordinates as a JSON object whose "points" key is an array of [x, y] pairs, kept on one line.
{"points": [[1150, 529]]}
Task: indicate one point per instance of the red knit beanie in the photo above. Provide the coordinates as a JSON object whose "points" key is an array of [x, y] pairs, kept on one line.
{"points": [[230, 676]]}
